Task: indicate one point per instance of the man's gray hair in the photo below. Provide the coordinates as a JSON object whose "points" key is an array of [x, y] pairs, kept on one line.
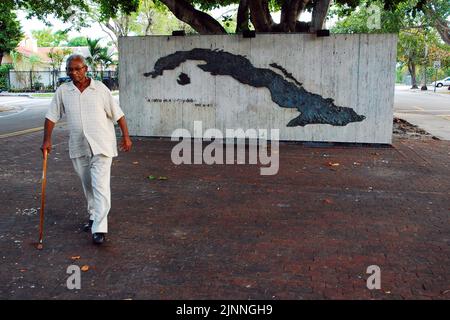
{"points": [[75, 57]]}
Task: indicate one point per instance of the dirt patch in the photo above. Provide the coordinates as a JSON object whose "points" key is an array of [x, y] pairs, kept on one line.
{"points": [[404, 130]]}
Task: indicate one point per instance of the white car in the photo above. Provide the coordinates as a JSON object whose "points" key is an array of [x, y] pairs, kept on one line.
{"points": [[443, 82]]}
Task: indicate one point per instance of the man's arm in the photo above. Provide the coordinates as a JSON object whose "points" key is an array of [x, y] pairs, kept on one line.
{"points": [[47, 143], [125, 144]]}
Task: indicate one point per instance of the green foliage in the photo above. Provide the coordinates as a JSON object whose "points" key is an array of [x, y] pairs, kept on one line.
{"points": [[33, 60], [356, 19], [99, 57], [57, 57], [10, 32], [110, 8], [47, 38], [95, 51], [77, 42], [4, 69], [61, 9]]}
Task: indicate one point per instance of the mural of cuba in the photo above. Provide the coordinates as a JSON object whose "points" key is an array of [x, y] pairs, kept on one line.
{"points": [[284, 89]]}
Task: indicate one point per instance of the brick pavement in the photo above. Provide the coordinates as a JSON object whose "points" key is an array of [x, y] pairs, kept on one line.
{"points": [[225, 232]]}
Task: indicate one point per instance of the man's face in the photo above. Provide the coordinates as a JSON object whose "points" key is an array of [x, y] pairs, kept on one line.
{"points": [[76, 70]]}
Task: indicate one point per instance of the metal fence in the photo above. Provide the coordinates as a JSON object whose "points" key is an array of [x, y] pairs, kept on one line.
{"points": [[48, 81]]}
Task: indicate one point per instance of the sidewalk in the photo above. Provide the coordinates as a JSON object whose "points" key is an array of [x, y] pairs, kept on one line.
{"points": [[430, 89], [437, 126], [225, 232]]}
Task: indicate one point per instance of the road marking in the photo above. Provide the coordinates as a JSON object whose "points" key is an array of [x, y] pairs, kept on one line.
{"points": [[14, 113], [14, 100], [426, 110], [22, 132], [20, 103]]}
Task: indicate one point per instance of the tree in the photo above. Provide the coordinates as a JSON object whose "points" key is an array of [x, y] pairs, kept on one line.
{"points": [[407, 14], [120, 22], [10, 32], [258, 13], [57, 56], [34, 60], [411, 51], [99, 57], [417, 39], [64, 10], [47, 38], [105, 59], [95, 51], [194, 12], [437, 12], [77, 42]]}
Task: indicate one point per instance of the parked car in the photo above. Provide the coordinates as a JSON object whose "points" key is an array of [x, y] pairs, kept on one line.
{"points": [[61, 80], [443, 82]]}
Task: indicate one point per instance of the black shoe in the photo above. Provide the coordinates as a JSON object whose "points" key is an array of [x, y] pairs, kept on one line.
{"points": [[87, 226], [98, 238]]}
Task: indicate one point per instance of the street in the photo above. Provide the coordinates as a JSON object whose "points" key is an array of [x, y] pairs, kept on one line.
{"points": [[428, 110], [21, 114]]}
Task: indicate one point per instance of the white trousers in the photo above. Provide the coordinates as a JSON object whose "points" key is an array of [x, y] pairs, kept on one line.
{"points": [[95, 173]]}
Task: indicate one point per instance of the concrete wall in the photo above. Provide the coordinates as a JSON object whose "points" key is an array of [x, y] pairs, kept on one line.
{"points": [[356, 71]]}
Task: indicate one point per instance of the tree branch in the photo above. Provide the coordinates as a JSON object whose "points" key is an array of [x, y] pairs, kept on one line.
{"points": [[202, 22], [114, 40], [440, 24], [443, 30]]}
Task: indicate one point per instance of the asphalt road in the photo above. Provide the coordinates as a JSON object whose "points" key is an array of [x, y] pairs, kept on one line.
{"points": [[426, 109], [21, 114], [422, 102]]}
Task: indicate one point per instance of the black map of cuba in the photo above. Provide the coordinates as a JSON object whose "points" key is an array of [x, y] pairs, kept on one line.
{"points": [[313, 108]]}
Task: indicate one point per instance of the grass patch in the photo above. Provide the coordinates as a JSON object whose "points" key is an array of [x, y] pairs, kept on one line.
{"points": [[43, 95]]}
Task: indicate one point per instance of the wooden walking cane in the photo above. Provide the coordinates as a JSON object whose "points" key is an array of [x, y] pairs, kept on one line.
{"points": [[40, 245]]}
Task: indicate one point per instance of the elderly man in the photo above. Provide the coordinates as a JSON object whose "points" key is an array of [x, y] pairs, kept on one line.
{"points": [[91, 112]]}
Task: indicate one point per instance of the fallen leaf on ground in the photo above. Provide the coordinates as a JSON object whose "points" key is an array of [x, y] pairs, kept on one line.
{"points": [[75, 257], [151, 177], [329, 201], [162, 178], [23, 270], [85, 268], [333, 164], [135, 162]]}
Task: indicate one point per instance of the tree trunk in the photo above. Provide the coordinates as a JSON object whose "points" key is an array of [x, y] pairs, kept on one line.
{"points": [[242, 16], [198, 20], [319, 14], [424, 87], [1, 57], [412, 72], [260, 15], [290, 12]]}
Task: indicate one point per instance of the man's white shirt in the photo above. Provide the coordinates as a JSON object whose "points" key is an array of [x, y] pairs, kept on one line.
{"points": [[90, 116]]}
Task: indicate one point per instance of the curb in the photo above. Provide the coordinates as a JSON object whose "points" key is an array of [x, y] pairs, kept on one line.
{"points": [[7, 94]]}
